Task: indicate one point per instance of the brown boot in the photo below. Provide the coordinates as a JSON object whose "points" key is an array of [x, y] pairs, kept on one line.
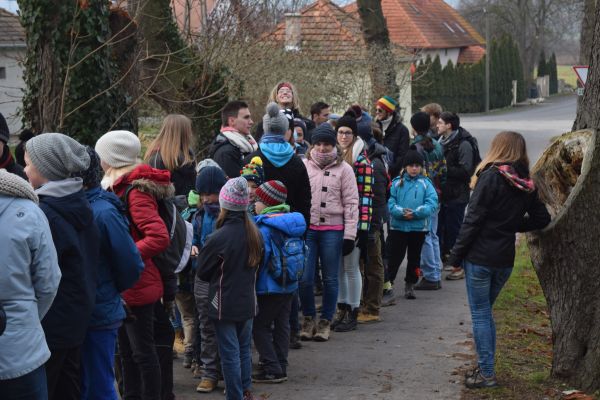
{"points": [[178, 345]]}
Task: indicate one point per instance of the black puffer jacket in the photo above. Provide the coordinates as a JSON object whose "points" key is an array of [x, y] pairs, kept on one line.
{"points": [[381, 183], [397, 140], [224, 264], [459, 161], [497, 210], [229, 157], [183, 178]]}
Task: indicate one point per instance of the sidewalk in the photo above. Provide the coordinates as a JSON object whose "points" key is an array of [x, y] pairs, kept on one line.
{"points": [[411, 354]]}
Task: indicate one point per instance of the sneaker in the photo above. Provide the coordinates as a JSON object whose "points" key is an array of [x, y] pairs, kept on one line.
{"points": [[424, 284], [265, 377], [448, 268], [367, 318], [475, 380], [323, 330], [295, 341], [456, 274], [388, 298], [409, 291], [206, 385], [188, 359], [309, 327]]}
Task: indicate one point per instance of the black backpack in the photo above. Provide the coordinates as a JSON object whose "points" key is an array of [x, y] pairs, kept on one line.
{"points": [[475, 147]]}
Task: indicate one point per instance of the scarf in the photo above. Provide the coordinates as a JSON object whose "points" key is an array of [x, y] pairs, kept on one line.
{"points": [[508, 172], [357, 149], [14, 186], [324, 159], [7, 159], [386, 124], [212, 208], [445, 140], [245, 143], [276, 149]]}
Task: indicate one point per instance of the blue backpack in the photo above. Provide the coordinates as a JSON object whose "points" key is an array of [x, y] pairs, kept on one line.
{"points": [[287, 261]]}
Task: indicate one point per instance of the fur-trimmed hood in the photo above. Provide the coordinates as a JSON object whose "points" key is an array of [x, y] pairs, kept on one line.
{"points": [[146, 179]]}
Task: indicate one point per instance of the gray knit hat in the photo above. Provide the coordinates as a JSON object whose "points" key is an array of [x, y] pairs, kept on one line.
{"points": [[274, 121], [14, 186], [57, 156], [118, 148], [234, 195]]}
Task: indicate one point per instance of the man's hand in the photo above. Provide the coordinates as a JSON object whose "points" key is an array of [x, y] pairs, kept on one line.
{"points": [[195, 251]]}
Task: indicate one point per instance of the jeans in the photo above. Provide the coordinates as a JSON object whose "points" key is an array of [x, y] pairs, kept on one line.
{"points": [[271, 331], [63, 373], [327, 246], [450, 219], [373, 275], [234, 339], [483, 286], [350, 280], [176, 322], [31, 386], [97, 364], [431, 261]]}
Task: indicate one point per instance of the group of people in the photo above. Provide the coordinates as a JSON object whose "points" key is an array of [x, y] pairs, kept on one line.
{"points": [[331, 203]]}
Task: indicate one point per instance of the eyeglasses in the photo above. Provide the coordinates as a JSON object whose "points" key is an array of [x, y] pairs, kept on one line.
{"points": [[379, 110], [345, 133]]}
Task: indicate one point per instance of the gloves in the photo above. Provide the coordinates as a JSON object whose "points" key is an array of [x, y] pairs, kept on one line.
{"points": [[348, 247]]}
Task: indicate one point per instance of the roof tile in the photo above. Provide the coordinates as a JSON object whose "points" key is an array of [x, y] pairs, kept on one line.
{"points": [[11, 31]]}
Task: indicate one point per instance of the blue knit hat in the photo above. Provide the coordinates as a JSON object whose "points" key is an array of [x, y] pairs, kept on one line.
{"points": [[324, 133], [210, 180]]}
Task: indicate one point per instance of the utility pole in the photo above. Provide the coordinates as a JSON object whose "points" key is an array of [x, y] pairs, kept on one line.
{"points": [[487, 61]]}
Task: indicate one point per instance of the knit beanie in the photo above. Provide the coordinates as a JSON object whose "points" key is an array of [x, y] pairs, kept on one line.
{"points": [[207, 162], [253, 171], [4, 133], [14, 186], [324, 133], [234, 195], [274, 121], [349, 121], [210, 180], [357, 110], [118, 148], [301, 124], [412, 157], [92, 176], [272, 193], [57, 156], [387, 103], [420, 122]]}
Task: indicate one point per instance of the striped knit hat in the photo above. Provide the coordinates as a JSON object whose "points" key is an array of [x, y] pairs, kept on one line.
{"points": [[234, 195], [272, 193], [387, 103]]}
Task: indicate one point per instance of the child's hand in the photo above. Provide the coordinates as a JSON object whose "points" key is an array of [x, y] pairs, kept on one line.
{"points": [[408, 214], [195, 251]]}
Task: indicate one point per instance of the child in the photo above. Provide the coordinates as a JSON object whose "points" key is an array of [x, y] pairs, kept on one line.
{"points": [[228, 261], [209, 182], [253, 172], [301, 144], [276, 224], [412, 201]]}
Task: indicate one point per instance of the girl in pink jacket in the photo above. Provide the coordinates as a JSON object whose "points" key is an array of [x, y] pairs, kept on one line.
{"points": [[332, 231]]}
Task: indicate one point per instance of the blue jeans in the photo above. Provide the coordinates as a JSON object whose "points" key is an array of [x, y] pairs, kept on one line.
{"points": [[97, 361], [483, 286], [233, 339], [450, 219], [31, 386], [326, 246], [431, 261]]}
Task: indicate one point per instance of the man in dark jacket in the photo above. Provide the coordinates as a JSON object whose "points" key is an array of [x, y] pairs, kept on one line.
{"points": [[319, 113], [7, 161], [455, 192], [234, 142], [395, 134], [51, 159]]}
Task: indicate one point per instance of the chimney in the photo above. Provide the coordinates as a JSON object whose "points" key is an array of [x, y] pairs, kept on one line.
{"points": [[292, 32]]}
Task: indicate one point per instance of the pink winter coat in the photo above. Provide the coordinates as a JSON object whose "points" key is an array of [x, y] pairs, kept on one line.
{"points": [[334, 196]]}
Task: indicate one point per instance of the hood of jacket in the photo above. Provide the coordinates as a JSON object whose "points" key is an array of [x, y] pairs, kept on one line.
{"points": [[292, 224], [376, 150], [73, 207], [276, 149], [516, 174], [146, 179]]}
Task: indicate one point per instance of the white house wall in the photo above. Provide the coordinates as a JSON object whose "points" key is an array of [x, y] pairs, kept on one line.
{"points": [[445, 55], [11, 87]]}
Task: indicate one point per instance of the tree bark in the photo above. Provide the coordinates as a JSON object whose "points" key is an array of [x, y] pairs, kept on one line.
{"points": [[587, 31]]}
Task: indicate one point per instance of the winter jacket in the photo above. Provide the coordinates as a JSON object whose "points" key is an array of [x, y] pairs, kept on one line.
{"points": [[183, 178], [8, 163], [28, 283], [334, 196], [228, 155], [224, 264], [435, 163], [295, 178], [381, 183], [416, 194], [119, 264], [396, 139], [459, 162], [291, 225], [363, 170], [146, 227], [76, 240], [497, 210]]}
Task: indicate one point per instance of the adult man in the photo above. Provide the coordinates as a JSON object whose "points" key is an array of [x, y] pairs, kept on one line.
{"points": [[395, 134], [434, 110], [455, 192], [234, 142], [6, 159], [319, 113]]}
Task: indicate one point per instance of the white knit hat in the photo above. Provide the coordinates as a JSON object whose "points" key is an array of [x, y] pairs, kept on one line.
{"points": [[118, 148]]}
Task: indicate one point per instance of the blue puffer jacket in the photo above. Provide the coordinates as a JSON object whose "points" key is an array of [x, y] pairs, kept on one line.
{"points": [[119, 264], [292, 225], [417, 194]]}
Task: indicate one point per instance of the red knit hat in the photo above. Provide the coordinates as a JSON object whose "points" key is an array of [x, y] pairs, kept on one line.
{"points": [[271, 193]]}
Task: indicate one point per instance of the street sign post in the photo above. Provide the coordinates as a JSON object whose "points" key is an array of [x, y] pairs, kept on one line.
{"points": [[582, 72]]}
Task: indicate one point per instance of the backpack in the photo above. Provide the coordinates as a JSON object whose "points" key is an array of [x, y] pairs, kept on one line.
{"points": [[175, 257], [476, 156], [287, 261]]}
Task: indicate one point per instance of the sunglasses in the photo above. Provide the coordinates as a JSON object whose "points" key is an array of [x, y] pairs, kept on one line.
{"points": [[379, 110]]}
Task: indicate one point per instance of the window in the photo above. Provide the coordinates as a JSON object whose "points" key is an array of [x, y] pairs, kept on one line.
{"points": [[2, 72], [445, 52], [459, 27], [449, 27], [415, 9]]}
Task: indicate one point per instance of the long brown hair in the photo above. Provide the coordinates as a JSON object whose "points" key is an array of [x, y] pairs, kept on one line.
{"points": [[348, 152], [506, 147], [255, 242], [173, 142]]}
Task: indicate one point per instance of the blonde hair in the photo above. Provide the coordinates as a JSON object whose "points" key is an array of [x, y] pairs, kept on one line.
{"points": [[111, 175], [348, 152], [173, 142], [506, 147], [295, 99], [433, 109], [255, 242]]}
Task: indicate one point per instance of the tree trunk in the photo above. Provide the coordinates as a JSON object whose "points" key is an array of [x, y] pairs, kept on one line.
{"points": [[381, 65], [565, 254], [587, 31]]}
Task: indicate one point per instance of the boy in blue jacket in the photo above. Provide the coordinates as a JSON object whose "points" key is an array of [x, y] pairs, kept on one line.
{"points": [[412, 201], [279, 228]]}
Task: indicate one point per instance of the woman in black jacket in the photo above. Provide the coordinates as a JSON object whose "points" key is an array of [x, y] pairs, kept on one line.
{"points": [[504, 201]]}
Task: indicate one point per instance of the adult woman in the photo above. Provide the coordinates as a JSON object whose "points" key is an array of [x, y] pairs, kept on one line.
{"points": [[350, 279], [332, 232], [504, 201], [286, 97]]}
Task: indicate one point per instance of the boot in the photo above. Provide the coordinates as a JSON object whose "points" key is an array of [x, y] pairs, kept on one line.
{"points": [[409, 291], [323, 330], [343, 310], [295, 340], [309, 328], [349, 323], [178, 343]]}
